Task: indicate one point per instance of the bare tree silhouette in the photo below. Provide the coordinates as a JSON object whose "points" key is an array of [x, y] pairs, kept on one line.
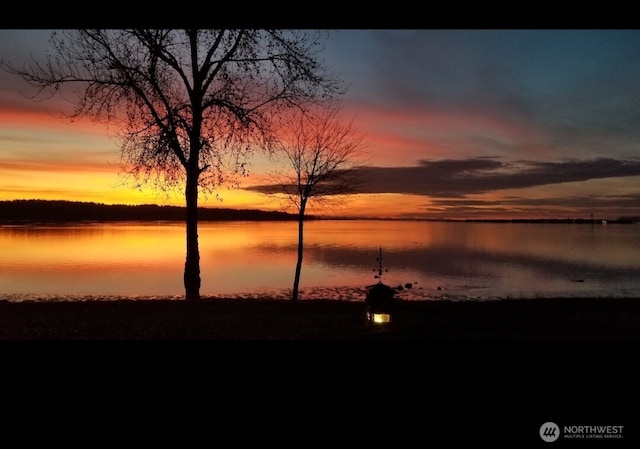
{"points": [[189, 106], [323, 153]]}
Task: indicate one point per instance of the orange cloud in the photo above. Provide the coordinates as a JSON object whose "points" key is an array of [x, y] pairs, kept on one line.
{"points": [[403, 136], [25, 117]]}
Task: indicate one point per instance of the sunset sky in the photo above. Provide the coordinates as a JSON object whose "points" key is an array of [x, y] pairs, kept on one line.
{"points": [[459, 124]]}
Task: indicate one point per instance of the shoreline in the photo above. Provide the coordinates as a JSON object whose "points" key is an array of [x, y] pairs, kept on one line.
{"points": [[334, 293], [233, 319]]}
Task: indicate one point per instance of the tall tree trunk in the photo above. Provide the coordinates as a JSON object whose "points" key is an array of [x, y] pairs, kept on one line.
{"points": [[296, 279], [192, 263]]}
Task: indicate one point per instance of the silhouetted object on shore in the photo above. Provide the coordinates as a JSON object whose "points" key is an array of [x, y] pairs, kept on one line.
{"points": [[380, 298], [379, 301]]}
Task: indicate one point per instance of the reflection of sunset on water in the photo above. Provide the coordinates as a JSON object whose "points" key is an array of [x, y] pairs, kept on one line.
{"points": [[92, 245], [438, 259]]}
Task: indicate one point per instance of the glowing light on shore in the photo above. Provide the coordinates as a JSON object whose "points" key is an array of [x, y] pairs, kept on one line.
{"points": [[381, 318]]}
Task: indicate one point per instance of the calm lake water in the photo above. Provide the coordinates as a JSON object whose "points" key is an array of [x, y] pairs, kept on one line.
{"points": [[454, 260]]}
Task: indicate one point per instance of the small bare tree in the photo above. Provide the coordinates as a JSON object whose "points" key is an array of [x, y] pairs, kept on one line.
{"points": [[323, 153], [189, 105]]}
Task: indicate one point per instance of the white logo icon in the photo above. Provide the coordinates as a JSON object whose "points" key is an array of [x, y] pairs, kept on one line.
{"points": [[549, 432]]}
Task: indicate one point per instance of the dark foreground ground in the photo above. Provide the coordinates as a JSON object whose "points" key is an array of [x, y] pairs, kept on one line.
{"points": [[574, 319], [441, 374]]}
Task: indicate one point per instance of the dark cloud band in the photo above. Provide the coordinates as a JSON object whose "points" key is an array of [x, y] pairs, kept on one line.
{"points": [[451, 178]]}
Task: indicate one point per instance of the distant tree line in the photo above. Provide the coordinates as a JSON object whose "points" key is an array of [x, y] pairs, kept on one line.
{"points": [[74, 211], [623, 220]]}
